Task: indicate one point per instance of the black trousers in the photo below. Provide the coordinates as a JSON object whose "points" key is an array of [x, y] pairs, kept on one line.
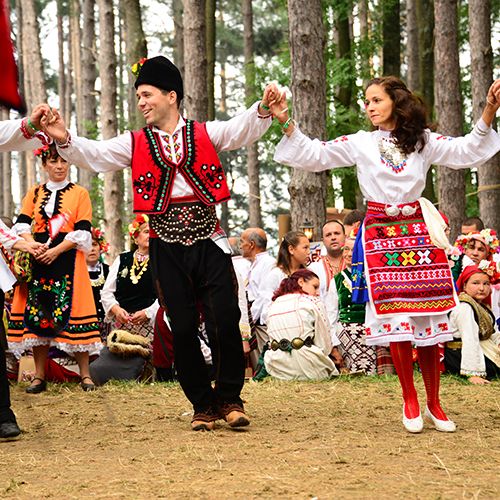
{"points": [[189, 277], [6, 414]]}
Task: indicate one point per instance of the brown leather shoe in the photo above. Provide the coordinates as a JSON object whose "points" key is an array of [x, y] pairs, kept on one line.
{"points": [[200, 425], [204, 421], [234, 415]]}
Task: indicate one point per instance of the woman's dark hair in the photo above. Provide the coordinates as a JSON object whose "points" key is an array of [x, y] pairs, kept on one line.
{"points": [[291, 284], [51, 154], [284, 258], [410, 114]]}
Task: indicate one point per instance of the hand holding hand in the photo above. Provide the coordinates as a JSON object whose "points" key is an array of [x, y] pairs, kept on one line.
{"points": [[278, 105], [31, 247], [53, 124], [48, 256], [493, 96], [38, 113]]}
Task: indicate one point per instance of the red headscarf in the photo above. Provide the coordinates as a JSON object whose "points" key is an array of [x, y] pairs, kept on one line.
{"points": [[464, 277]]}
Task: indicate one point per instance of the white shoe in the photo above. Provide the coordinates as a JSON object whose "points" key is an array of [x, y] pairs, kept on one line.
{"points": [[440, 425], [413, 425]]}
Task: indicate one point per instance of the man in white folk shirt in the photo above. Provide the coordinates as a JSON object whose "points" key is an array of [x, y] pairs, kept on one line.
{"points": [[253, 246], [177, 179]]}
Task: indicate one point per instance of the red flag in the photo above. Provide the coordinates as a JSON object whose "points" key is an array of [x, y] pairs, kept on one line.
{"points": [[56, 223], [9, 93]]}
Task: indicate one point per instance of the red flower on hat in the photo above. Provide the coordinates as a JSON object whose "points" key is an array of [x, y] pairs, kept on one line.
{"points": [[136, 68]]}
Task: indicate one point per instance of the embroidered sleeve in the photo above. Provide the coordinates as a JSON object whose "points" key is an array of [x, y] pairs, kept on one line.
{"points": [[313, 155], [7, 237], [108, 290], [471, 150]]}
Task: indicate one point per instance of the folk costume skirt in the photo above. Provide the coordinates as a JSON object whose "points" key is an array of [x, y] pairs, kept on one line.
{"points": [[409, 282], [56, 308]]}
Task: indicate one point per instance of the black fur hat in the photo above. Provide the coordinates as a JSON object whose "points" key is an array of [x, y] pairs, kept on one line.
{"points": [[161, 73]]}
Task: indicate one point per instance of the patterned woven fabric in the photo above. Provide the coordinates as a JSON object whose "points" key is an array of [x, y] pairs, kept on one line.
{"points": [[405, 272], [357, 355]]}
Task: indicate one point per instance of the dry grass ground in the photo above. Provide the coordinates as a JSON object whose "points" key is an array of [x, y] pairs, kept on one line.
{"points": [[336, 439]]}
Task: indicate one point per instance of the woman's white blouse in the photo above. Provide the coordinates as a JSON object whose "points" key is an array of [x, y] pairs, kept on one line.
{"points": [[378, 181]]}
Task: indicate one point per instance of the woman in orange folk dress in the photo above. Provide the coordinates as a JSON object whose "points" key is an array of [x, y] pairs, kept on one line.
{"points": [[56, 308]]}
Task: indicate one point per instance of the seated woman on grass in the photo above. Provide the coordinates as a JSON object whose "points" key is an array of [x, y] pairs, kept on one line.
{"points": [[299, 333]]}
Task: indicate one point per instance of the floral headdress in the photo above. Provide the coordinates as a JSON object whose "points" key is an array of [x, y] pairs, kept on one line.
{"points": [[135, 226], [487, 236], [98, 235], [43, 152], [136, 68], [491, 268]]}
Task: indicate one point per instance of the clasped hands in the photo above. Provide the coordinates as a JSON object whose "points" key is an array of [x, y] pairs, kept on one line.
{"points": [[50, 121]]}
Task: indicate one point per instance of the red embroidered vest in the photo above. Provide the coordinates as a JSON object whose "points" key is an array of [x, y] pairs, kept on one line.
{"points": [[153, 173]]}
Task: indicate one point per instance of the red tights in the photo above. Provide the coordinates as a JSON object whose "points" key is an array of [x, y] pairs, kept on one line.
{"points": [[428, 358]]}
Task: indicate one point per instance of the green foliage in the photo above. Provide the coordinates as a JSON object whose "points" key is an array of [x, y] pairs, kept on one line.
{"points": [[97, 200]]}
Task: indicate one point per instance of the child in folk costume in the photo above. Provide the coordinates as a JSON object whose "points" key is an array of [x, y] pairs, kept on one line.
{"points": [[56, 308], [401, 244], [98, 272], [475, 350]]}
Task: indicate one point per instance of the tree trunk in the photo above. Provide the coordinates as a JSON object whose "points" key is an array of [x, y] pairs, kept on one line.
{"points": [[34, 80], [344, 95], [425, 21], [7, 203], [136, 48], [75, 33], [195, 60], [449, 108], [254, 209], [391, 35], [488, 175], [61, 75], [210, 22], [306, 38], [365, 52], [412, 56], [88, 118], [113, 181], [177, 14]]}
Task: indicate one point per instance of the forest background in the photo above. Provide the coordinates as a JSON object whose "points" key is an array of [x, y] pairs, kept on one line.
{"points": [[77, 55]]}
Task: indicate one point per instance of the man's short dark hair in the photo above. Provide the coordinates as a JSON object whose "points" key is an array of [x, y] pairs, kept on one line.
{"points": [[474, 221], [333, 221], [354, 216]]}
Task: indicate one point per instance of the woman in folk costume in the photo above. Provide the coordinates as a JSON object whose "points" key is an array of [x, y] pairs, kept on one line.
{"points": [[98, 272], [409, 284], [299, 331], [56, 308], [475, 351], [129, 295]]}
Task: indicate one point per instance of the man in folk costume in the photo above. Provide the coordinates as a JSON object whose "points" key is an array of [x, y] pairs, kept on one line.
{"points": [[178, 179]]}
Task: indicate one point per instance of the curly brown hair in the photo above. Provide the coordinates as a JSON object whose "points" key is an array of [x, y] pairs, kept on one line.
{"points": [[410, 114]]}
